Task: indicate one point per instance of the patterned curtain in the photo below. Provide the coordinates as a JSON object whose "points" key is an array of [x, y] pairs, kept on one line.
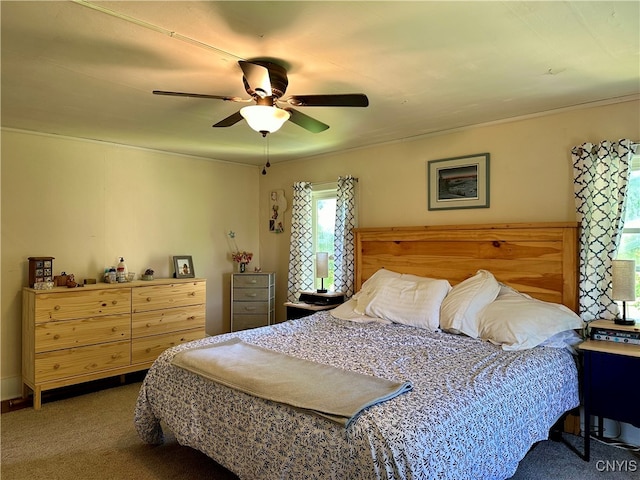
{"points": [[301, 245], [346, 221], [600, 178]]}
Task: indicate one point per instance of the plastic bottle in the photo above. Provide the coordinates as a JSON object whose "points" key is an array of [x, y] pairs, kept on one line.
{"points": [[112, 275], [121, 271]]}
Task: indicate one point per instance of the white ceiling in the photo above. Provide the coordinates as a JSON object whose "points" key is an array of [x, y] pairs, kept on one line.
{"points": [[426, 67]]}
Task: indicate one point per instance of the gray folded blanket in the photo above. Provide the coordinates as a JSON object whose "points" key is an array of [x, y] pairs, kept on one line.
{"points": [[331, 392]]}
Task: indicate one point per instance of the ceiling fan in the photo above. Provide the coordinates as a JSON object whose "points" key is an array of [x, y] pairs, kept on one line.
{"points": [[266, 82]]}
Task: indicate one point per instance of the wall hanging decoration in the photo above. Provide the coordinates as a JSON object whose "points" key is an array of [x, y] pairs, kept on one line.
{"points": [[458, 182], [277, 207]]}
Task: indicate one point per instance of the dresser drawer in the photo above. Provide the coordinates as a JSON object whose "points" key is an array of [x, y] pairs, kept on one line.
{"points": [[156, 322], [80, 361], [85, 331], [250, 294], [250, 308], [248, 280], [156, 297], [147, 349], [79, 303], [244, 322]]}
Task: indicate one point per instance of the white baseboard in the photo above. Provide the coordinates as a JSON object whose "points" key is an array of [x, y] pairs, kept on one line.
{"points": [[10, 387]]}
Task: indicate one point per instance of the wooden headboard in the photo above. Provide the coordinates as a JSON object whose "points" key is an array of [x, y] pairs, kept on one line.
{"points": [[539, 259]]}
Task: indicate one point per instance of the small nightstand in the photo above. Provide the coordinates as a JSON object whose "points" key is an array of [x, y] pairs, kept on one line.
{"points": [[610, 386], [312, 302]]}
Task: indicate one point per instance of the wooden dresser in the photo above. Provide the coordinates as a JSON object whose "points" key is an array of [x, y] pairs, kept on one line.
{"points": [[74, 335], [252, 300]]}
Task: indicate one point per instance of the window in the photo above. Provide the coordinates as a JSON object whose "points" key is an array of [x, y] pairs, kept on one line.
{"points": [[629, 248], [324, 220]]}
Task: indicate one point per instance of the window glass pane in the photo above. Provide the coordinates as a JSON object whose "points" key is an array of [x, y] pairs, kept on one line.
{"points": [[629, 248], [324, 211]]}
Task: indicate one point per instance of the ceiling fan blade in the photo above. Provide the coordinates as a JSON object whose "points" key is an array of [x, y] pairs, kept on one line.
{"points": [[256, 78], [341, 100], [200, 95], [229, 121], [306, 122]]}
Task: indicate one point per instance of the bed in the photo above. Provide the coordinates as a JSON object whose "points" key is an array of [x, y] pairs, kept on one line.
{"points": [[475, 407]]}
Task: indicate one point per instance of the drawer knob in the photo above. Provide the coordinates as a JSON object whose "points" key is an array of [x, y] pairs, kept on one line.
{"points": [[114, 302], [148, 325], [252, 295], [253, 281], [114, 356], [192, 294], [57, 307], [148, 299], [56, 336], [114, 329], [192, 317], [250, 309], [56, 366]]}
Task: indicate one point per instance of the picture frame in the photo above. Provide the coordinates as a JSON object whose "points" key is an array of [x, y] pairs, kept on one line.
{"points": [[277, 207], [458, 182], [183, 266]]}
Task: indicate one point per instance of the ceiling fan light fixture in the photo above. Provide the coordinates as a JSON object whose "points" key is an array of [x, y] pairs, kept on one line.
{"points": [[264, 119]]}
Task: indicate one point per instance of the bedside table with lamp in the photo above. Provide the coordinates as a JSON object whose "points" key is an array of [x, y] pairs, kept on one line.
{"points": [[311, 302], [611, 361]]}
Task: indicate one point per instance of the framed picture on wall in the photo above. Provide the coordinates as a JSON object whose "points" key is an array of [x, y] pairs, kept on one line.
{"points": [[458, 182], [183, 266], [277, 207]]}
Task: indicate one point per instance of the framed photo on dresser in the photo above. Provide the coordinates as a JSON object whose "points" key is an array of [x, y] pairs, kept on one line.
{"points": [[183, 266]]}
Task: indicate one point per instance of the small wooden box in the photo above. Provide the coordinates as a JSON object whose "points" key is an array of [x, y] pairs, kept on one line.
{"points": [[40, 270]]}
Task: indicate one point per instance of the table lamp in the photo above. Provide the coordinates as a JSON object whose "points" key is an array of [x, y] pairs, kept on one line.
{"points": [[322, 269], [624, 287]]}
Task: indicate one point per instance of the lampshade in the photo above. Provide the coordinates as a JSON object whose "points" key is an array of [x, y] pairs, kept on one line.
{"points": [[264, 119], [322, 264], [624, 280]]}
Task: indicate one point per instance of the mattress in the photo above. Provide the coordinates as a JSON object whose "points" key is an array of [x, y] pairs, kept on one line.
{"points": [[474, 410]]}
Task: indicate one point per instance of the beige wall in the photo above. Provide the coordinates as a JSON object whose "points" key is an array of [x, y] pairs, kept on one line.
{"points": [[530, 175], [85, 203]]}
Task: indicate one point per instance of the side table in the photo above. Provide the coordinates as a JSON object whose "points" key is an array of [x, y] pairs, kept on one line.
{"points": [[312, 302], [609, 375]]}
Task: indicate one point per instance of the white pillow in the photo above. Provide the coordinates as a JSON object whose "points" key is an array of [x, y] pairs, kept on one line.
{"points": [[380, 275], [459, 311], [368, 288], [346, 311], [409, 302], [519, 322]]}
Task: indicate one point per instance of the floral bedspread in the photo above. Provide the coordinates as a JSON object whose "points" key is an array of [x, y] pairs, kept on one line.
{"points": [[473, 413]]}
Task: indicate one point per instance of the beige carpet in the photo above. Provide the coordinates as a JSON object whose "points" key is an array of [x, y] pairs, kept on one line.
{"points": [[92, 436]]}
